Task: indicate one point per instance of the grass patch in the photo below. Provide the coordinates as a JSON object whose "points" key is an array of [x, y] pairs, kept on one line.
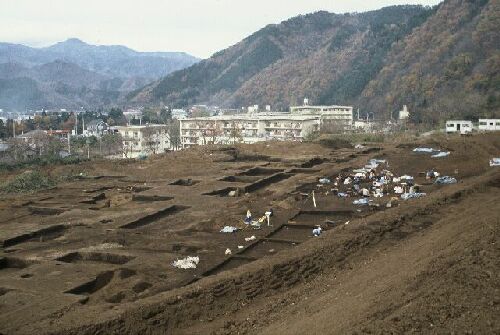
{"points": [[29, 181], [42, 161], [335, 142]]}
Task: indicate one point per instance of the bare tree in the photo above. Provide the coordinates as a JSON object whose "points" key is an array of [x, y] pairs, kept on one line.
{"points": [[235, 134], [212, 132], [18, 149], [174, 134], [152, 137]]}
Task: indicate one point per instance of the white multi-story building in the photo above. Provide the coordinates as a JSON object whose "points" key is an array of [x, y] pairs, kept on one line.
{"points": [[254, 126], [489, 124], [144, 140], [338, 115], [249, 128]]}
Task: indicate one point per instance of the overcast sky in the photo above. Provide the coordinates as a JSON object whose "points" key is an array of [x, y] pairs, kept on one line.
{"points": [[199, 27]]}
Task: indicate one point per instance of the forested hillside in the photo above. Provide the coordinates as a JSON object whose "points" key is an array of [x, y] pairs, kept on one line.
{"points": [[439, 61], [448, 66]]}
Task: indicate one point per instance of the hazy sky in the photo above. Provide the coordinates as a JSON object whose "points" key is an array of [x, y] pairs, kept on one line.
{"points": [[199, 27]]}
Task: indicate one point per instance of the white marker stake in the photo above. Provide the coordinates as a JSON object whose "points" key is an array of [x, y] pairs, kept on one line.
{"points": [[314, 200]]}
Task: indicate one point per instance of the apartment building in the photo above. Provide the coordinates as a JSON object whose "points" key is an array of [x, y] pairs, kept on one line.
{"points": [[331, 117], [247, 128], [143, 140]]}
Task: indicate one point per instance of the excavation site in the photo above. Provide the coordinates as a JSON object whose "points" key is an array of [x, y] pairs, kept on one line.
{"points": [[280, 238]]}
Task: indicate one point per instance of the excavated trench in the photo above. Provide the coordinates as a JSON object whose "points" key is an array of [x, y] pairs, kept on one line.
{"points": [[99, 282], [150, 198], [259, 171], [252, 187], [313, 162], [185, 182], [14, 263], [44, 234], [223, 192], [39, 210], [150, 218], [240, 179], [275, 178], [99, 257]]}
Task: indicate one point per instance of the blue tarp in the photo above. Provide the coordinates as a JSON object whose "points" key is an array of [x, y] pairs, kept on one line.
{"points": [[363, 201], [445, 180], [324, 181], [406, 196]]}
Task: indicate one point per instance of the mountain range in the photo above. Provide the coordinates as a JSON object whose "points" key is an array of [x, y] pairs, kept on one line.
{"points": [[73, 73], [440, 61]]}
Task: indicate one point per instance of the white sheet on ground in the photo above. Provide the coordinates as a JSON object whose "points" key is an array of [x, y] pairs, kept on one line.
{"points": [[189, 262]]}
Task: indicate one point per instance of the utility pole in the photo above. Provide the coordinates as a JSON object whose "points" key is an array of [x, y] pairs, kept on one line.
{"points": [[88, 147], [69, 143]]}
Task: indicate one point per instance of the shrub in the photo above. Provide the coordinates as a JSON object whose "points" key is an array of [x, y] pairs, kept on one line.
{"points": [[335, 142], [28, 181]]}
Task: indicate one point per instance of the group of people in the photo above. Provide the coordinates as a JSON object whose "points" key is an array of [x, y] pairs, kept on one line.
{"points": [[373, 180], [266, 217]]}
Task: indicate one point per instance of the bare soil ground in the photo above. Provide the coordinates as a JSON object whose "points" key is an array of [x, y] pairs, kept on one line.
{"points": [[93, 256]]}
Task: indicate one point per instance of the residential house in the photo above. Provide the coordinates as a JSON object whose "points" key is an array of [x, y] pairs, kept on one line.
{"points": [[96, 128]]}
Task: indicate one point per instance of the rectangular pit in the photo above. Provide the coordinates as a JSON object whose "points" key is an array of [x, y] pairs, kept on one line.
{"points": [[275, 178], [150, 198], [148, 219], [100, 281], [302, 170], [224, 192], [259, 171], [240, 179], [94, 199], [267, 247], [37, 210], [14, 263], [229, 264], [98, 257], [322, 217], [48, 233], [291, 232], [313, 162], [185, 182]]}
